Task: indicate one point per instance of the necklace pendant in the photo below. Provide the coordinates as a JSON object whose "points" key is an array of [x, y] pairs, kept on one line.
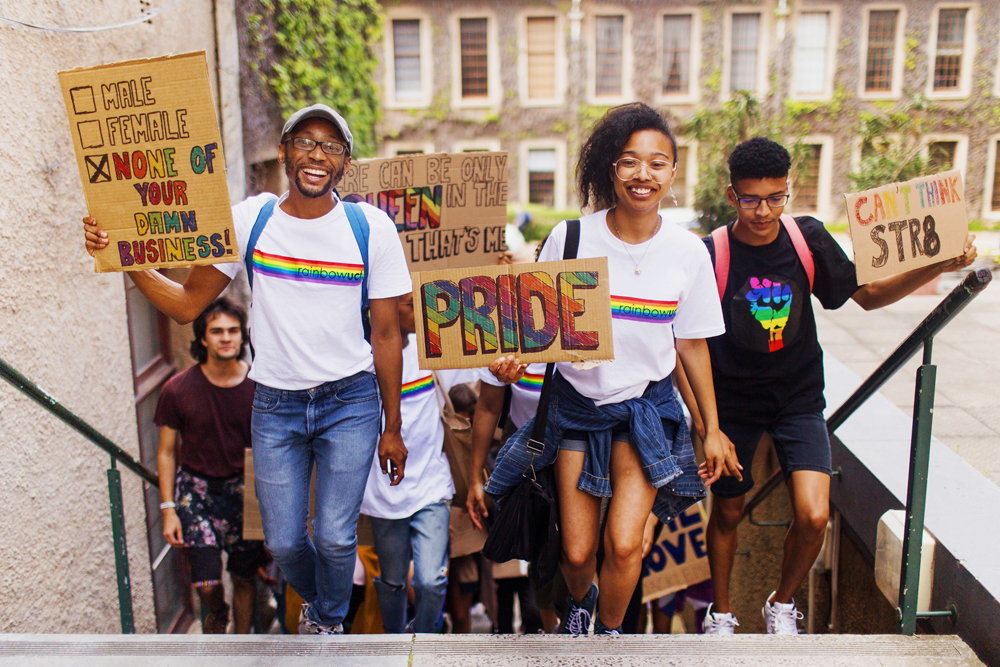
{"points": [[638, 270]]}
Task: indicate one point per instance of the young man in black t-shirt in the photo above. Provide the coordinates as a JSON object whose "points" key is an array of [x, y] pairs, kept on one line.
{"points": [[768, 366]]}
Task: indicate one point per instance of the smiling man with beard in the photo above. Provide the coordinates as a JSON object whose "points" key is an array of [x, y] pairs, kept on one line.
{"points": [[316, 401]]}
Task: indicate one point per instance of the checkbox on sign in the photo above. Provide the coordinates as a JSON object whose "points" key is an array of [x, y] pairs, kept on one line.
{"points": [[83, 100], [90, 134], [98, 170]]}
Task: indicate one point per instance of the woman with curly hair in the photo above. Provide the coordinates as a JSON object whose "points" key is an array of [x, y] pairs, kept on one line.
{"points": [[616, 430]]}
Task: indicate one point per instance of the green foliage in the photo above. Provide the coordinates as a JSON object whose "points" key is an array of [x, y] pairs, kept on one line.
{"points": [[543, 219], [325, 52], [891, 146]]}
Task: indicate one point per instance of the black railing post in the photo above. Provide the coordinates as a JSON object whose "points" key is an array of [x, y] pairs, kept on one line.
{"points": [[120, 546]]}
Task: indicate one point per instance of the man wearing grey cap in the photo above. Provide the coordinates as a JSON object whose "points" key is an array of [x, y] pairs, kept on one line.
{"points": [[316, 401]]}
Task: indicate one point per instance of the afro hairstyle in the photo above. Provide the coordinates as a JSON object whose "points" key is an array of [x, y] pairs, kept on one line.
{"points": [[758, 158]]}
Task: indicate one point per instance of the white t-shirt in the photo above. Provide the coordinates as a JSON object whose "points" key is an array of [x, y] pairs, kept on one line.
{"points": [[524, 393], [675, 295], [427, 478], [305, 321]]}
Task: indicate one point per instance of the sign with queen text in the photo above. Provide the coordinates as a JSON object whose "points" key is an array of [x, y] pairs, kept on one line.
{"points": [[147, 145], [904, 226], [550, 311]]}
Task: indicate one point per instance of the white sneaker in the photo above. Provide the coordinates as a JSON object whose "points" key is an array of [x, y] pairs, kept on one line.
{"points": [[781, 618], [308, 626], [719, 624]]}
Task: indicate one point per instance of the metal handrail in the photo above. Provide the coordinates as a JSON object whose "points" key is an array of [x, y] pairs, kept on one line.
{"points": [[115, 501]]}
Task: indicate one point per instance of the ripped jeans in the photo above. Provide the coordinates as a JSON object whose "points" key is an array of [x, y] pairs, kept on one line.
{"points": [[422, 537]]}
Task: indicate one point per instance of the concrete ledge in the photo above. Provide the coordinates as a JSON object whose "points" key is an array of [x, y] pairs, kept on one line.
{"points": [[872, 449]]}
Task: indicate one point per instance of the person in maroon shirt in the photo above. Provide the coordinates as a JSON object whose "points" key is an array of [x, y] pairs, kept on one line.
{"points": [[204, 419]]}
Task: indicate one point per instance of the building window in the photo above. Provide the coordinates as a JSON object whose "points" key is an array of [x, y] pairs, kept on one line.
{"points": [[680, 183], [475, 79], [811, 52], [608, 65], [807, 179], [541, 58], [676, 53], [743, 70], [542, 176], [941, 156], [995, 202], [881, 47], [406, 59], [950, 45]]}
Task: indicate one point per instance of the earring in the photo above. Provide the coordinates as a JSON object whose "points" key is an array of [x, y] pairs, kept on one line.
{"points": [[672, 195]]}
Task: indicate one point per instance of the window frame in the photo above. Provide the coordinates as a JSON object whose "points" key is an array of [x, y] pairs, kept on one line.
{"points": [[991, 170], [426, 59], [391, 148], [824, 179], [691, 173], [763, 39], [833, 32], [895, 91], [494, 86], [560, 193], [693, 96], [522, 59], [964, 88], [961, 148], [628, 56], [486, 143]]}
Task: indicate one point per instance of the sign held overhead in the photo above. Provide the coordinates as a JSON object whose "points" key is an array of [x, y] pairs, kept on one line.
{"points": [[147, 145], [551, 311], [903, 226]]}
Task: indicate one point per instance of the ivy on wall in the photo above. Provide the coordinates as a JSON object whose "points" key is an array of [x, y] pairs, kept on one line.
{"points": [[323, 51]]}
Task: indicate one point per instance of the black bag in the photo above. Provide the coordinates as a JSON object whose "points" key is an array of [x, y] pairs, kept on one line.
{"points": [[526, 526]]}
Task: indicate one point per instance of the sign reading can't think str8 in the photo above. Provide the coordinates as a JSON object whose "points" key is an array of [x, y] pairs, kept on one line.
{"points": [[904, 226], [450, 210], [150, 158]]}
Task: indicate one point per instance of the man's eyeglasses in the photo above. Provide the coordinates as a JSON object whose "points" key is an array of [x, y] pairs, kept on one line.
{"points": [[777, 201], [308, 145], [628, 168]]}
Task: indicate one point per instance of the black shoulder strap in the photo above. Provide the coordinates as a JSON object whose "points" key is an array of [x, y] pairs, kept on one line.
{"points": [[572, 239]]}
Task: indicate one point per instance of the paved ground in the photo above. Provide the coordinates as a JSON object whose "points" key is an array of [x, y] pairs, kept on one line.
{"points": [[967, 353]]}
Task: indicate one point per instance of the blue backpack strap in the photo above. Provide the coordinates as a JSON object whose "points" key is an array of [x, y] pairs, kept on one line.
{"points": [[359, 225], [258, 228]]}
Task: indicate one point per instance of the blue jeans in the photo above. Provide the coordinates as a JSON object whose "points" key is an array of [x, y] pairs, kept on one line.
{"points": [[335, 427], [424, 538]]}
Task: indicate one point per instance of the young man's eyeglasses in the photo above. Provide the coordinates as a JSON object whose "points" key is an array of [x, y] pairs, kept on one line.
{"points": [[628, 168], [777, 201], [308, 145]]}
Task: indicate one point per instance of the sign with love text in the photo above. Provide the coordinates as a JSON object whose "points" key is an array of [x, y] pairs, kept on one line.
{"points": [[679, 558], [905, 226], [450, 210], [550, 311], [150, 157]]}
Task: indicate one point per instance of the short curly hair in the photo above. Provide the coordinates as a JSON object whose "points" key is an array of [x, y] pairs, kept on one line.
{"points": [[605, 145], [757, 158], [221, 306]]}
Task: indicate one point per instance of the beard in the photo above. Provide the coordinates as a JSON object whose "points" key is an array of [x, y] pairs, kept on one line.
{"points": [[314, 192]]}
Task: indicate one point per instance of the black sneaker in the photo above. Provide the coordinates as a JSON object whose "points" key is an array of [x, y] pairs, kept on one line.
{"points": [[577, 621], [601, 629]]}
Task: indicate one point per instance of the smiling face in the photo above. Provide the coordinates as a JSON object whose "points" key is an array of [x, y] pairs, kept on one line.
{"points": [[757, 226], [641, 193], [313, 174]]}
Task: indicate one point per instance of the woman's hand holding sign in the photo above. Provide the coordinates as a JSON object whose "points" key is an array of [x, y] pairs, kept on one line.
{"points": [[508, 369], [97, 238]]}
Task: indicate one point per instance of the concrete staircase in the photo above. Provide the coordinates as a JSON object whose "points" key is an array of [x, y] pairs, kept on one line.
{"points": [[484, 651]]}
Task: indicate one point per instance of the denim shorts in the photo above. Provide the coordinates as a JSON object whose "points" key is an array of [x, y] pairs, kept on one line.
{"points": [[577, 441], [801, 442]]}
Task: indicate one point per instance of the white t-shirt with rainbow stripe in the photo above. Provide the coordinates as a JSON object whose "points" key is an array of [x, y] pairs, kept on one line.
{"points": [[524, 393]]}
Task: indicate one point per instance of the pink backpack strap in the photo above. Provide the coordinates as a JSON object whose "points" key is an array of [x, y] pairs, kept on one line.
{"points": [[720, 239], [801, 248]]}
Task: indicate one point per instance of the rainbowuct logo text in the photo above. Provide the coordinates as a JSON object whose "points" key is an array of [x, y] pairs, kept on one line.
{"points": [[770, 304], [531, 381], [307, 270], [417, 387], [642, 310]]}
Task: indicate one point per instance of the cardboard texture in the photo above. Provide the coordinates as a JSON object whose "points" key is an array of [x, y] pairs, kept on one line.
{"points": [[466, 318], [465, 539], [450, 210], [905, 226], [150, 157], [679, 558]]}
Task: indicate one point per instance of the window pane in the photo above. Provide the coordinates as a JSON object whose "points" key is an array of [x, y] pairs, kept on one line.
{"points": [[144, 326], [680, 179], [995, 204], [743, 73], [406, 50], [609, 55], [950, 40], [941, 155], [541, 58], [474, 76], [810, 52], [881, 43], [542, 176], [807, 180], [676, 53]]}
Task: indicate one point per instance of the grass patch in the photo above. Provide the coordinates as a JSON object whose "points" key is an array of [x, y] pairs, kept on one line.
{"points": [[543, 219], [983, 225], [836, 227]]}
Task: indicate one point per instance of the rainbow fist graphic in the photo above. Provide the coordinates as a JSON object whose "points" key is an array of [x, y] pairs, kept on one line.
{"points": [[770, 304]]}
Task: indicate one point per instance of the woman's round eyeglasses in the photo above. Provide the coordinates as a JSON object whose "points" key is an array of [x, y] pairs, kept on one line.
{"points": [[628, 168]]}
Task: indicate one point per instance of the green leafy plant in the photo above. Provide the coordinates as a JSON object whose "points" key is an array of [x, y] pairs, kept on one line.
{"points": [[892, 148]]}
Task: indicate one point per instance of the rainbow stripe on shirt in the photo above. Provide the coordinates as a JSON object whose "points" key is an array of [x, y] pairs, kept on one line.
{"points": [[307, 270], [642, 310], [531, 381], [417, 387]]}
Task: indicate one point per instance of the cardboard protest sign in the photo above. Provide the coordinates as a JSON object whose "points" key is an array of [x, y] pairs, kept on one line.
{"points": [[551, 311], [904, 226], [450, 210], [150, 157], [679, 557]]}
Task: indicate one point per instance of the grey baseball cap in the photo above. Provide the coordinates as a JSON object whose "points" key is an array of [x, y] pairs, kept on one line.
{"points": [[319, 111]]}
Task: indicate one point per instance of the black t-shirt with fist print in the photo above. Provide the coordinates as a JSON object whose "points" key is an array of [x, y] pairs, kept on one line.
{"points": [[769, 362]]}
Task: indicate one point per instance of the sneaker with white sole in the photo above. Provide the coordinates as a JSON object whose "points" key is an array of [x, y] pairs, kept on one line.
{"points": [[308, 626], [781, 618], [577, 621], [719, 624]]}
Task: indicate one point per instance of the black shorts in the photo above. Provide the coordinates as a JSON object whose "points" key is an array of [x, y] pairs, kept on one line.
{"points": [[801, 442], [206, 563]]}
